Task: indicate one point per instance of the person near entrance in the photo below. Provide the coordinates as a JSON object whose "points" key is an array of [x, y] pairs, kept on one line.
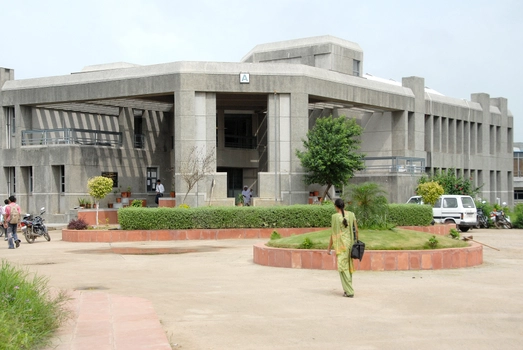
{"points": [[159, 191], [246, 193]]}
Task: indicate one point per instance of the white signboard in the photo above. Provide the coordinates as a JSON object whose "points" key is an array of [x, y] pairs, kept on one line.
{"points": [[244, 78]]}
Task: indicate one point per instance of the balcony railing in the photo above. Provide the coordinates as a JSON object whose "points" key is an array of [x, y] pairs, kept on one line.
{"points": [[394, 165], [235, 141], [139, 140], [70, 136]]}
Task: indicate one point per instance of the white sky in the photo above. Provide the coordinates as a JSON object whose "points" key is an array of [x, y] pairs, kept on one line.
{"points": [[459, 46]]}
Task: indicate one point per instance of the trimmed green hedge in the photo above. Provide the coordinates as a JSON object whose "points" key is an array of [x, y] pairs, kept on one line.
{"points": [[410, 214], [225, 217]]}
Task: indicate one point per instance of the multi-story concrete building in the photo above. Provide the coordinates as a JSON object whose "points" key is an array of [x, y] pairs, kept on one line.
{"points": [[140, 123]]}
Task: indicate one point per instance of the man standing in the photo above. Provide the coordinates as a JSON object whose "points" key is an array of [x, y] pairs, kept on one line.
{"points": [[159, 190], [246, 196], [12, 218]]}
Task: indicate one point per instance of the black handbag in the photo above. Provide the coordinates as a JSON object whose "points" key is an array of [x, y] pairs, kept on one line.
{"points": [[358, 248]]}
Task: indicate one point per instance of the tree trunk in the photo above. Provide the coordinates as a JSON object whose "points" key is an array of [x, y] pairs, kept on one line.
{"points": [[325, 193]]}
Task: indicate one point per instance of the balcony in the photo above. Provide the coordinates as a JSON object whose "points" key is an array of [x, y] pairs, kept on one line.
{"points": [[71, 137], [394, 164]]}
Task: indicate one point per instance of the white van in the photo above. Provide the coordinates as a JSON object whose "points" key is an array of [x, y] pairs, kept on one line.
{"points": [[450, 208]]}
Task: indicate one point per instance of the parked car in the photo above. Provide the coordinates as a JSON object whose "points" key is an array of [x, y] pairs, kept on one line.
{"points": [[450, 208]]}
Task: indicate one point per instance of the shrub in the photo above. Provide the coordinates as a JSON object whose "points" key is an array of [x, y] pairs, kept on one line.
{"points": [[275, 235], [77, 224], [432, 243], [517, 221], [137, 203], [410, 214], [29, 312], [306, 244], [429, 192], [454, 234], [368, 202], [131, 218]]}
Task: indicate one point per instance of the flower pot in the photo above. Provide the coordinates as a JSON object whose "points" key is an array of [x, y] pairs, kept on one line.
{"points": [[88, 206], [125, 194], [173, 194], [316, 193], [109, 205], [118, 200]]}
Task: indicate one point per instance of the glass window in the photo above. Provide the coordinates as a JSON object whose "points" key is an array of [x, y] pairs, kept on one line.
{"points": [[152, 176], [438, 203], [467, 202], [356, 68], [450, 203], [112, 175]]}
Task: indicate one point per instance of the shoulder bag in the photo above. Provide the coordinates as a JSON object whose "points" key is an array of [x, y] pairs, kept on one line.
{"points": [[358, 248]]}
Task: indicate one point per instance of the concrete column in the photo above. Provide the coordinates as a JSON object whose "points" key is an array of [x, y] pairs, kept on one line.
{"points": [[195, 120], [416, 120], [400, 131], [287, 126]]}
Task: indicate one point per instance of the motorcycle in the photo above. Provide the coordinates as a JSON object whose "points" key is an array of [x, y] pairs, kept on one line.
{"points": [[500, 220], [482, 219], [33, 228]]}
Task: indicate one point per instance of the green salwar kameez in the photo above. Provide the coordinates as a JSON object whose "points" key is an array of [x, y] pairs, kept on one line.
{"points": [[342, 241]]}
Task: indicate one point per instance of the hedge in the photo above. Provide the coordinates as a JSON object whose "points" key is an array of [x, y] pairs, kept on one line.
{"points": [[225, 217], [133, 218], [410, 214]]}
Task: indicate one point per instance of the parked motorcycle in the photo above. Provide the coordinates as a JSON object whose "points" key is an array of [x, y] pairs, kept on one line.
{"points": [[500, 220], [482, 219], [33, 228]]}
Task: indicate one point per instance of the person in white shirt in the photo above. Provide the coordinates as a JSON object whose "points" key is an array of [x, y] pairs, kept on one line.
{"points": [[3, 230], [246, 196], [159, 190]]}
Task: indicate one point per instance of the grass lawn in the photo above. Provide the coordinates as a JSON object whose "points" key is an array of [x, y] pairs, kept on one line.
{"points": [[396, 239]]}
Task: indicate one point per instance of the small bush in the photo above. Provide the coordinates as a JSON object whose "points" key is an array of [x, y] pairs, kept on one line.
{"points": [[432, 243], [306, 244], [275, 235], [454, 234], [137, 203], [77, 224], [184, 206]]}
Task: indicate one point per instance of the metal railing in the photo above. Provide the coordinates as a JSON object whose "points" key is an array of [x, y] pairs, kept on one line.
{"points": [[139, 141], [394, 164], [235, 141], [70, 136]]}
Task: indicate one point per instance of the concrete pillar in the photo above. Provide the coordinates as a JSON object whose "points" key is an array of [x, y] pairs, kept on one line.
{"points": [[195, 128], [416, 118], [288, 123]]}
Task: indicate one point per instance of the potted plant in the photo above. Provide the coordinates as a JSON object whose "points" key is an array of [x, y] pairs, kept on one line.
{"points": [[239, 200], [129, 191], [81, 202], [87, 204]]}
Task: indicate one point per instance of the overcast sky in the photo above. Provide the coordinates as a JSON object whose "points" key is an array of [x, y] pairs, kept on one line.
{"points": [[460, 47]]}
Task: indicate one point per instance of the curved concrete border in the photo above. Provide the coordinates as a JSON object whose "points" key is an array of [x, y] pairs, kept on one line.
{"points": [[375, 260], [110, 236]]}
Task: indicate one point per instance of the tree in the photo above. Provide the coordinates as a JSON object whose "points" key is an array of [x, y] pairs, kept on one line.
{"points": [[451, 183], [369, 204], [330, 156], [99, 187], [430, 192], [197, 165]]}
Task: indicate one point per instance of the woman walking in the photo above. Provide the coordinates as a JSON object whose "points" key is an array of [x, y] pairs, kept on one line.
{"points": [[342, 238]]}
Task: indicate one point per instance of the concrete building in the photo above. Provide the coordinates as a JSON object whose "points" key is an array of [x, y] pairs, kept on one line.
{"points": [[139, 123]]}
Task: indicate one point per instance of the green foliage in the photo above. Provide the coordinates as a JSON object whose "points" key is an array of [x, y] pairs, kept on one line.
{"points": [[184, 206], [330, 156], [239, 199], [396, 239], [517, 222], [136, 203], [131, 218], [451, 183], [432, 242], [306, 244], [275, 235], [430, 192], [410, 214], [368, 202], [29, 312], [454, 234], [99, 186]]}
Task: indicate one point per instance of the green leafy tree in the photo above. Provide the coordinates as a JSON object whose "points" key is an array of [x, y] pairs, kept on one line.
{"points": [[99, 187], [451, 183], [369, 204], [430, 192], [330, 156]]}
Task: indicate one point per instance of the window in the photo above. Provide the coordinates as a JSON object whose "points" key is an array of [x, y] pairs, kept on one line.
{"points": [[356, 68], [11, 126], [450, 203], [11, 180], [62, 178], [518, 195], [138, 128], [111, 175], [152, 176], [238, 131]]}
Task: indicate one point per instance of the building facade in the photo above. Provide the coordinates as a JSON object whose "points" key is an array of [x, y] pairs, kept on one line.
{"points": [[140, 123]]}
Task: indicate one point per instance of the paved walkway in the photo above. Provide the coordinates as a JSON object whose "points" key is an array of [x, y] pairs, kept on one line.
{"points": [[103, 321], [211, 296]]}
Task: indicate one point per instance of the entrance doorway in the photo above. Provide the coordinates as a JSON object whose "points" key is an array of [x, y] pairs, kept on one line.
{"points": [[234, 181]]}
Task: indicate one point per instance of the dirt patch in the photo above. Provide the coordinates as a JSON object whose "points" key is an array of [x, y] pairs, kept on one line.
{"points": [[145, 251]]}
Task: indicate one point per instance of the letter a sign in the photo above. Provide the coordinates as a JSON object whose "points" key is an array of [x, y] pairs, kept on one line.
{"points": [[244, 78]]}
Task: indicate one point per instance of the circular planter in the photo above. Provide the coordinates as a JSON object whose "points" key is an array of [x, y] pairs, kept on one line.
{"points": [[373, 260]]}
